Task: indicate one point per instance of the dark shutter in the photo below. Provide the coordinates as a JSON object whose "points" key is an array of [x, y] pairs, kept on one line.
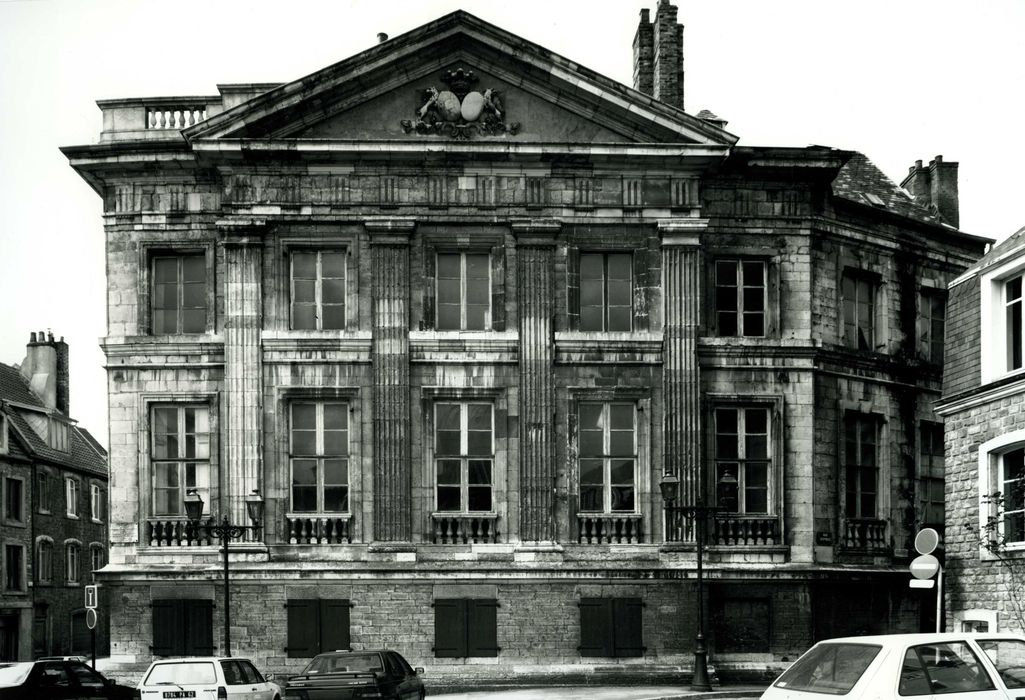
{"points": [[482, 627], [627, 614], [334, 625], [449, 628], [199, 627], [304, 628], [595, 623], [167, 628]]}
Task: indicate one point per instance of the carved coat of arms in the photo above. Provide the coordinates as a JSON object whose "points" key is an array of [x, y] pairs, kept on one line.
{"points": [[459, 111]]}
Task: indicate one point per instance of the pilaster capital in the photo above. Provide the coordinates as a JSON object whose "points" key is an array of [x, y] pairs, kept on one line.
{"points": [[241, 231], [535, 232], [682, 231], [389, 230]]}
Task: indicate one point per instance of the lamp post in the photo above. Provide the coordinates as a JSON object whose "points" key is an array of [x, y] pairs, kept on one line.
{"points": [[698, 513], [225, 531]]}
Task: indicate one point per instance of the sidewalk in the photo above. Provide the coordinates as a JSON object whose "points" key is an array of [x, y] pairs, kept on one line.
{"points": [[609, 693]]}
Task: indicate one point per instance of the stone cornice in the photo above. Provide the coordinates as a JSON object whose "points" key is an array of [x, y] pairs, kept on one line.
{"points": [[682, 231], [978, 397], [535, 232], [388, 230]]}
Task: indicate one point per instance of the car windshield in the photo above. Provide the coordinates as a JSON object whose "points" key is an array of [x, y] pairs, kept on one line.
{"points": [[14, 674], [345, 663], [832, 669], [1008, 655], [182, 673]]}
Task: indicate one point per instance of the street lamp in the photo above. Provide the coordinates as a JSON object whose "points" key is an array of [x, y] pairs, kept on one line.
{"points": [[698, 513], [225, 532]]}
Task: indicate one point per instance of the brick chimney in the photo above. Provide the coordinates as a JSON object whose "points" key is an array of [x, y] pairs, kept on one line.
{"points": [[935, 187], [46, 369], [658, 55]]}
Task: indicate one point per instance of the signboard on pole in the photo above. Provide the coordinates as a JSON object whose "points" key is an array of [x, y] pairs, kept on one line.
{"points": [[90, 618], [91, 597], [924, 566]]}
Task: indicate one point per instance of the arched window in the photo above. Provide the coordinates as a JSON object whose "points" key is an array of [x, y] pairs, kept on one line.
{"points": [[72, 561], [44, 560], [97, 556]]}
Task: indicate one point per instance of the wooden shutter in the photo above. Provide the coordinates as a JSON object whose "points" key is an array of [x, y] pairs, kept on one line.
{"points": [[627, 614], [304, 628], [449, 628], [595, 627], [199, 627], [167, 628], [482, 627], [334, 625]]}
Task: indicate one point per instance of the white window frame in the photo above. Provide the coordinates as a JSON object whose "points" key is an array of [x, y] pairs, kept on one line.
{"points": [[607, 458], [95, 503], [605, 305], [71, 497], [874, 422], [179, 460], [858, 275], [488, 315], [72, 562], [742, 460], [319, 457], [44, 494], [990, 470], [738, 263], [993, 318], [990, 617], [94, 548], [318, 286], [463, 457], [60, 435], [43, 574]]}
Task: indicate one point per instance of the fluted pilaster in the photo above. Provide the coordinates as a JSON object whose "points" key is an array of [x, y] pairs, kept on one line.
{"points": [[535, 255], [681, 287], [389, 273]]}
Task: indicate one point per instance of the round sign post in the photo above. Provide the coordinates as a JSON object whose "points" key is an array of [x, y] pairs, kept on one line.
{"points": [[90, 618], [925, 566], [927, 540]]}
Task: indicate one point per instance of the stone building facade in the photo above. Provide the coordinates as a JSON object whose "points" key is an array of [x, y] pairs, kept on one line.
{"points": [[983, 395], [53, 527], [454, 306]]}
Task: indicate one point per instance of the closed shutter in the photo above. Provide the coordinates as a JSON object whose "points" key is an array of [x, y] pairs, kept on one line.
{"points": [[595, 624], [449, 628], [627, 614], [334, 625], [482, 628], [167, 628], [199, 627], [304, 628]]}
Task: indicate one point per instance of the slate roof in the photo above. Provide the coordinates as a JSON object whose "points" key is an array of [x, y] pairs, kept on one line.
{"points": [[85, 454], [1012, 246], [859, 180]]}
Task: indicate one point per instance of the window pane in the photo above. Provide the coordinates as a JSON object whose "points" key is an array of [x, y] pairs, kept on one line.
{"points": [[336, 499], [590, 416], [480, 498], [447, 443], [591, 443], [756, 500], [591, 318], [832, 669], [591, 498], [448, 317], [193, 321], [620, 319], [953, 668], [622, 498], [478, 266], [754, 299], [756, 475], [1008, 655], [448, 471], [476, 317], [304, 442], [591, 267], [756, 447], [727, 487], [592, 471], [727, 323], [754, 324], [478, 443], [447, 416], [332, 265], [304, 416], [333, 291], [304, 266], [621, 471], [591, 294], [336, 472], [620, 293], [726, 273], [304, 499], [304, 291], [449, 291], [336, 416], [194, 268], [333, 318], [448, 498], [479, 472], [193, 296], [621, 442], [304, 472], [304, 317], [754, 274], [165, 270], [478, 416], [621, 416], [165, 475]]}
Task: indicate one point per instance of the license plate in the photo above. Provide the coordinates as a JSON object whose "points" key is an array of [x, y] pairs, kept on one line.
{"points": [[179, 693]]}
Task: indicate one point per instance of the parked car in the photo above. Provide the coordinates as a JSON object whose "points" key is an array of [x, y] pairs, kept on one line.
{"points": [[989, 666], [207, 678], [379, 673], [58, 679]]}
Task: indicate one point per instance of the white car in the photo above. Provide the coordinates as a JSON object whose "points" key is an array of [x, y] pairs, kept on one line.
{"points": [[206, 678], [965, 666]]}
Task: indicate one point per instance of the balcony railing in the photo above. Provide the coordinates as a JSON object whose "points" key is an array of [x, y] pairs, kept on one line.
{"points": [[865, 533], [318, 528], [176, 532], [745, 530], [609, 528], [175, 117], [461, 528]]}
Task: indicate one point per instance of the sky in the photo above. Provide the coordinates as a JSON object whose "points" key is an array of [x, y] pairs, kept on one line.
{"points": [[899, 80]]}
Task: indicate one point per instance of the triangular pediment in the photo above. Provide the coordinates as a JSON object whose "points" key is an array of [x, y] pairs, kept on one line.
{"points": [[459, 78]]}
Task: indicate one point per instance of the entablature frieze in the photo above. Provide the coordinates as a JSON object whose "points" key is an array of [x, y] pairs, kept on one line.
{"points": [[575, 348]]}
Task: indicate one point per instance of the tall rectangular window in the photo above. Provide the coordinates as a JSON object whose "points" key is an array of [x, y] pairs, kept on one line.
{"points": [[740, 298], [464, 456], [464, 291], [1011, 485], [743, 458], [932, 319], [606, 292], [318, 290], [859, 300], [71, 497], [44, 561], [930, 473], [96, 503], [96, 557], [179, 294], [608, 457], [14, 567], [1013, 305], [43, 492], [72, 561], [319, 457], [861, 464], [180, 456], [14, 500]]}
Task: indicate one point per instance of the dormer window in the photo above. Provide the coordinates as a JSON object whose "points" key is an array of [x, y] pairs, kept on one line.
{"points": [[59, 437]]}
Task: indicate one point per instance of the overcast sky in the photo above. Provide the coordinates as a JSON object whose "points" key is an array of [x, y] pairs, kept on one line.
{"points": [[899, 80]]}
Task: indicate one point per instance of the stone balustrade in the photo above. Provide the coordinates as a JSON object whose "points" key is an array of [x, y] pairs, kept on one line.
{"points": [[176, 532], [174, 117], [744, 530], [461, 528], [865, 534], [609, 528], [318, 529]]}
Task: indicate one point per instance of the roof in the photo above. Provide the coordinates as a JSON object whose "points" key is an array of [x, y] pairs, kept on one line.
{"points": [[1010, 247], [859, 180], [85, 454]]}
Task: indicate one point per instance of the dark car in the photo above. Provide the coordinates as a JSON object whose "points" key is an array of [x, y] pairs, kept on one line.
{"points": [[357, 674], [58, 680]]}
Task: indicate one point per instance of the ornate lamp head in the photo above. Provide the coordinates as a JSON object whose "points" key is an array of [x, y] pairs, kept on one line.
{"points": [[193, 505], [669, 486]]}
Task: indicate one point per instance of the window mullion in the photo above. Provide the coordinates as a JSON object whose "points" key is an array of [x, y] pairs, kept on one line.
{"points": [[179, 311], [318, 294], [319, 442], [462, 292]]}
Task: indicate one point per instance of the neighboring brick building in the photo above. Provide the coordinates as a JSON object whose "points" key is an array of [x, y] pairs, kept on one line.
{"points": [[53, 528], [453, 305], [983, 396]]}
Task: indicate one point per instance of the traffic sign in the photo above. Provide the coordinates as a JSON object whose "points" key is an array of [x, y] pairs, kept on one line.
{"points": [[927, 540], [924, 566], [91, 597], [921, 583], [90, 618]]}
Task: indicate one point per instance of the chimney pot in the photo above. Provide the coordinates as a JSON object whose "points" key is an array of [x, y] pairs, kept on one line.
{"points": [[32, 337], [381, 37]]}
